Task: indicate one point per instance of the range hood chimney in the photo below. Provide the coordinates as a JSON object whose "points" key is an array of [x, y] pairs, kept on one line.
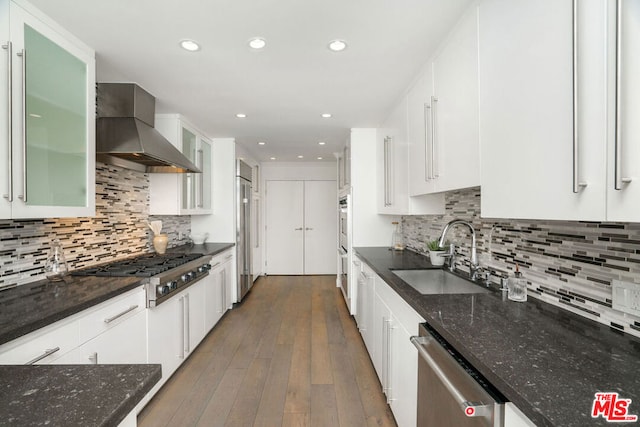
{"points": [[125, 135]]}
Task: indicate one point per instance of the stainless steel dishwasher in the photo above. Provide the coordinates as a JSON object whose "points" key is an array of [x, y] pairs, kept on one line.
{"points": [[451, 393]]}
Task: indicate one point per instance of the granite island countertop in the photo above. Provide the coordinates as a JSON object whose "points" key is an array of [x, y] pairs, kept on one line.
{"points": [[547, 361], [72, 395]]}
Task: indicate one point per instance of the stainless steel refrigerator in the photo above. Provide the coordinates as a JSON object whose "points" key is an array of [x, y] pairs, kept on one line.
{"points": [[243, 231]]}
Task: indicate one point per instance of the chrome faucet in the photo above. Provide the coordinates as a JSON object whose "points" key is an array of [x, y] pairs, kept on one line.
{"points": [[474, 266]]}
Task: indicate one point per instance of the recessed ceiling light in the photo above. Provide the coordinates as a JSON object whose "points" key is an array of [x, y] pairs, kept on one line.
{"points": [[337, 45], [326, 115], [257, 43], [272, 158], [261, 143], [319, 158], [301, 157], [190, 45], [321, 143], [241, 115]]}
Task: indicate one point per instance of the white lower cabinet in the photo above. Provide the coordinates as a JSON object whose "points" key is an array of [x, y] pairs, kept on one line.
{"points": [[218, 297], [387, 323], [43, 346], [514, 418]]}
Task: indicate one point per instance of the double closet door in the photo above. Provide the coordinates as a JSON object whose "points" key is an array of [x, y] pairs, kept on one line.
{"points": [[301, 227]]}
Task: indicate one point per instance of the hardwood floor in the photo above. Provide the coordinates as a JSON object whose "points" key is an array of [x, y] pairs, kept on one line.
{"points": [[289, 355]]}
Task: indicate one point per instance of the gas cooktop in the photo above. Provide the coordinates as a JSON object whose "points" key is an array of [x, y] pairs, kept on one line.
{"points": [[147, 265]]}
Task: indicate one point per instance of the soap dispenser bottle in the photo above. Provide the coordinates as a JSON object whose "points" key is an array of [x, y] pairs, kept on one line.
{"points": [[517, 287]]}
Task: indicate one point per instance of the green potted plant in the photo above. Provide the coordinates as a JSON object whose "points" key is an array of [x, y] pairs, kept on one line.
{"points": [[436, 252]]}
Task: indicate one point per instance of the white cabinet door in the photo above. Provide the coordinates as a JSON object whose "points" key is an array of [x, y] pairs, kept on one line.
{"points": [[419, 128], [43, 346], [195, 317], [513, 417], [52, 117], [403, 376], [165, 339], [526, 109], [365, 309], [624, 198], [380, 328], [320, 227], [455, 108], [213, 295], [393, 170], [5, 113], [228, 283]]}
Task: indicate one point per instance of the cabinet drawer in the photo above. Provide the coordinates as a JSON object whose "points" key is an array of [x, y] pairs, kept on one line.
{"points": [[111, 313], [51, 342]]}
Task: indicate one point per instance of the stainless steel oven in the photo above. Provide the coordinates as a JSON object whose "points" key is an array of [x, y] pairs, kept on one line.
{"points": [[450, 391]]}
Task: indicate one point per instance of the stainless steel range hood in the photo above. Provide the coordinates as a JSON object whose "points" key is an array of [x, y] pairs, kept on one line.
{"points": [[125, 135]]}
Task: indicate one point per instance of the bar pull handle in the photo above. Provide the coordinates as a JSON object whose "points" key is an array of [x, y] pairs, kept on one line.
{"points": [[577, 185], [122, 313], [182, 338], [470, 409], [23, 55], [434, 137], [298, 229], [48, 352], [200, 202], [618, 176], [187, 324], [9, 47], [427, 142]]}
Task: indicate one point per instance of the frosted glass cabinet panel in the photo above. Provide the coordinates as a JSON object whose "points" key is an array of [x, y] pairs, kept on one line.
{"points": [[51, 115], [189, 149], [56, 123]]}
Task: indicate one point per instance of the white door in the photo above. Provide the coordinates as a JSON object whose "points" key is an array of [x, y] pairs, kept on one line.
{"points": [[301, 220], [285, 227], [320, 227]]}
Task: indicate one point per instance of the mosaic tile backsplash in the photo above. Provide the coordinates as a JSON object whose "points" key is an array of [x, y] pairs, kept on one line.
{"points": [[566, 263], [117, 231]]}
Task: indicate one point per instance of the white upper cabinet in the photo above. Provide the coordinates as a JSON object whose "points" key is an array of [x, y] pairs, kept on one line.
{"points": [[182, 194], [392, 150], [454, 108], [47, 118], [623, 183], [443, 115], [549, 124]]}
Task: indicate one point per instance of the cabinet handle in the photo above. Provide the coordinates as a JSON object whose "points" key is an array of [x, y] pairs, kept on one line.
{"points": [[216, 264], [298, 229], [200, 192], [308, 229], [48, 352], [619, 179], [122, 313], [23, 55], [434, 138], [388, 201], [9, 48], [93, 358], [427, 144], [187, 323], [577, 185], [182, 309]]}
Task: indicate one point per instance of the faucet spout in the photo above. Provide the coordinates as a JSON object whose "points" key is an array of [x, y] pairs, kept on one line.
{"points": [[473, 262]]}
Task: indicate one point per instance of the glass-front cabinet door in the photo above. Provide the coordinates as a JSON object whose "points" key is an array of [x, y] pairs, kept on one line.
{"points": [[190, 150], [205, 177], [53, 150]]}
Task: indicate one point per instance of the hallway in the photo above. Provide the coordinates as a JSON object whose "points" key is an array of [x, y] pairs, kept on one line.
{"points": [[289, 355]]}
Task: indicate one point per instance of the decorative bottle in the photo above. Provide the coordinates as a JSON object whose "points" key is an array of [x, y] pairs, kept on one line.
{"points": [[397, 242], [55, 268], [517, 287]]}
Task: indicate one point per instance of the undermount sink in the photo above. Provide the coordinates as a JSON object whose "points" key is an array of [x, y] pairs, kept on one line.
{"points": [[429, 282]]}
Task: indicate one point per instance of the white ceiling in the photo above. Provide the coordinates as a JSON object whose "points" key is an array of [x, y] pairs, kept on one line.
{"points": [[283, 88]]}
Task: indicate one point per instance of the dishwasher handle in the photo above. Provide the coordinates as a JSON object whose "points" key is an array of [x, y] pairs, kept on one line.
{"points": [[471, 409]]}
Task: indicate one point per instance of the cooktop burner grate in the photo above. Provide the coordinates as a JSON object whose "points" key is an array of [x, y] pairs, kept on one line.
{"points": [[147, 265]]}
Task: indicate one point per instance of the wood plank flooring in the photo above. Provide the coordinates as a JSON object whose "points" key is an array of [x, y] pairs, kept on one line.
{"points": [[289, 355]]}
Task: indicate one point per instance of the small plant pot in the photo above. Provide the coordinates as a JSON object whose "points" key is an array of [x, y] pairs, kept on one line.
{"points": [[436, 257]]}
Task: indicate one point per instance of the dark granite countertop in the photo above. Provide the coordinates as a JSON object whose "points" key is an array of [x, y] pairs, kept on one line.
{"points": [[547, 361], [212, 249], [73, 395], [32, 306]]}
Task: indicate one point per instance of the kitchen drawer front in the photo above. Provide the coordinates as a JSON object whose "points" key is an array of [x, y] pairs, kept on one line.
{"points": [[111, 313], [43, 346]]}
